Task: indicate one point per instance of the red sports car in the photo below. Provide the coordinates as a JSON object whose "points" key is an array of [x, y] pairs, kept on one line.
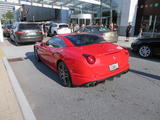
{"points": [[81, 58]]}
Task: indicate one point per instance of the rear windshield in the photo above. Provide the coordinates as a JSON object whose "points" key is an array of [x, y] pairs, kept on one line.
{"points": [[84, 39], [63, 26], [28, 26], [8, 26]]}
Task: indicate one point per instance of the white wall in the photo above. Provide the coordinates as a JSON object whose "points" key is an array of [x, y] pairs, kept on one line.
{"points": [[1, 33], [125, 12], [133, 11], [128, 14]]}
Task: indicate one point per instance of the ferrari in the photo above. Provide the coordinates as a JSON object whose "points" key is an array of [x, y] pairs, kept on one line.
{"points": [[82, 58]]}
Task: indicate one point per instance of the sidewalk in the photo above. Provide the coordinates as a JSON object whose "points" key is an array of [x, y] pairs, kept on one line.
{"points": [[9, 108], [123, 43]]}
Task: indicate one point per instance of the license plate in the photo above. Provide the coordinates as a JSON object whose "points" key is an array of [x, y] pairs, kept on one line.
{"points": [[31, 33], [113, 67]]}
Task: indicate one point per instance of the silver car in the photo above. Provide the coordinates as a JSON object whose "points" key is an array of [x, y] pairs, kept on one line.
{"points": [[109, 36]]}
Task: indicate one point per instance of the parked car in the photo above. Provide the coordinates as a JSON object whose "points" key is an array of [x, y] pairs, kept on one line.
{"points": [[59, 28], [81, 58], [6, 30], [25, 32], [109, 36], [146, 47]]}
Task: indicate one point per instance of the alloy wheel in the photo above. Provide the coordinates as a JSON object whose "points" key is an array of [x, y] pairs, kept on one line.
{"points": [[64, 74], [144, 51]]}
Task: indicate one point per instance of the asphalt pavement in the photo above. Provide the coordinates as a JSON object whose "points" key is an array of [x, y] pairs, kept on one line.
{"points": [[133, 96]]}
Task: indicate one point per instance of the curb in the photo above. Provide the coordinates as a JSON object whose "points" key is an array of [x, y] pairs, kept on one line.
{"points": [[23, 103]]}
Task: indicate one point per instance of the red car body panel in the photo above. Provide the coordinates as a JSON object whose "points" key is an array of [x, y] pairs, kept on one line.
{"points": [[80, 70]]}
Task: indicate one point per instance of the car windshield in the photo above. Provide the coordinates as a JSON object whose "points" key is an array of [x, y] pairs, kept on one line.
{"points": [[63, 26], [85, 39], [101, 29], [29, 27]]}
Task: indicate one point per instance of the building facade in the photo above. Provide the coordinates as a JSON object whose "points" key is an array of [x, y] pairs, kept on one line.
{"points": [[148, 16]]}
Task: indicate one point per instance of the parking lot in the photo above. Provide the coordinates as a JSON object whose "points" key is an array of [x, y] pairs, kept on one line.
{"points": [[133, 96]]}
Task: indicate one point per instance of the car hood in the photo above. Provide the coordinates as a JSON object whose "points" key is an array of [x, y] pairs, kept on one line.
{"points": [[100, 49]]}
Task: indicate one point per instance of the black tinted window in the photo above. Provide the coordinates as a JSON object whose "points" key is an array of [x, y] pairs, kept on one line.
{"points": [[63, 26], [56, 42], [84, 39], [28, 26]]}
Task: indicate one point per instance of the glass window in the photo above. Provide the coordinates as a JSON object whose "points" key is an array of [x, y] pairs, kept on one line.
{"points": [[54, 25], [84, 39], [28, 26], [63, 26], [56, 42]]}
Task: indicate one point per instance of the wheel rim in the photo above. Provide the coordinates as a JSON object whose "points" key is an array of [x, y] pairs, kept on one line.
{"points": [[145, 51], [63, 74]]}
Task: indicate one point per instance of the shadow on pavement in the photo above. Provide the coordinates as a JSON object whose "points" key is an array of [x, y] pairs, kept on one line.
{"points": [[43, 68], [145, 74]]}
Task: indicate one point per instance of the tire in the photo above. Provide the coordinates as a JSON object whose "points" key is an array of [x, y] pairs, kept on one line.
{"points": [[36, 55], [145, 51], [55, 33], [64, 74], [16, 43]]}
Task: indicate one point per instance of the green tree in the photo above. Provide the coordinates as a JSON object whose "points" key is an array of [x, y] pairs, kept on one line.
{"points": [[8, 17]]}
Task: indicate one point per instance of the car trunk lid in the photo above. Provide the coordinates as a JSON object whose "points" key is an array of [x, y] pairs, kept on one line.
{"points": [[107, 56], [100, 49]]}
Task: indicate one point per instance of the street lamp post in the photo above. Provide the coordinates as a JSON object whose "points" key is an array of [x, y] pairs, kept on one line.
{"points": [[1, 33]]}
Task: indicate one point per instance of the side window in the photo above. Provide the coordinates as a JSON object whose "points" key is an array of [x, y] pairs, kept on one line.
{"points": [[54, 25], [56, 42], [87, 30]]}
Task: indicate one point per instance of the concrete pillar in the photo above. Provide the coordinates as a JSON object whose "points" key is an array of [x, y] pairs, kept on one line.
{"points": [[1, 33], [128, 14]]}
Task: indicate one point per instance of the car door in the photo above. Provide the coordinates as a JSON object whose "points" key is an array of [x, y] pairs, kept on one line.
{"points": [[56, 45], [155, 44], [42, 51]]}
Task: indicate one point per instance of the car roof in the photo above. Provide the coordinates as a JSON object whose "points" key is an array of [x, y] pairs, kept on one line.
{"points": [[60, 23], [26, 23]]}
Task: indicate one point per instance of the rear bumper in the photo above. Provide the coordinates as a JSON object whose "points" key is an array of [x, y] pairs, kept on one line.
{"points": [[7, 34], [78, 79], [29, 39]]}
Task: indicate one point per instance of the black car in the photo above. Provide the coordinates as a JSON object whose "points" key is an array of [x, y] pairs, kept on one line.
{"points": [[6, 30], [109, 36], [146, 47], [26, 32]]}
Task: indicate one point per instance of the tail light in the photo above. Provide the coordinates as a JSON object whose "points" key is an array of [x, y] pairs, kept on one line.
{"points": [[90, 59], [20, 33], [7, 30]]}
